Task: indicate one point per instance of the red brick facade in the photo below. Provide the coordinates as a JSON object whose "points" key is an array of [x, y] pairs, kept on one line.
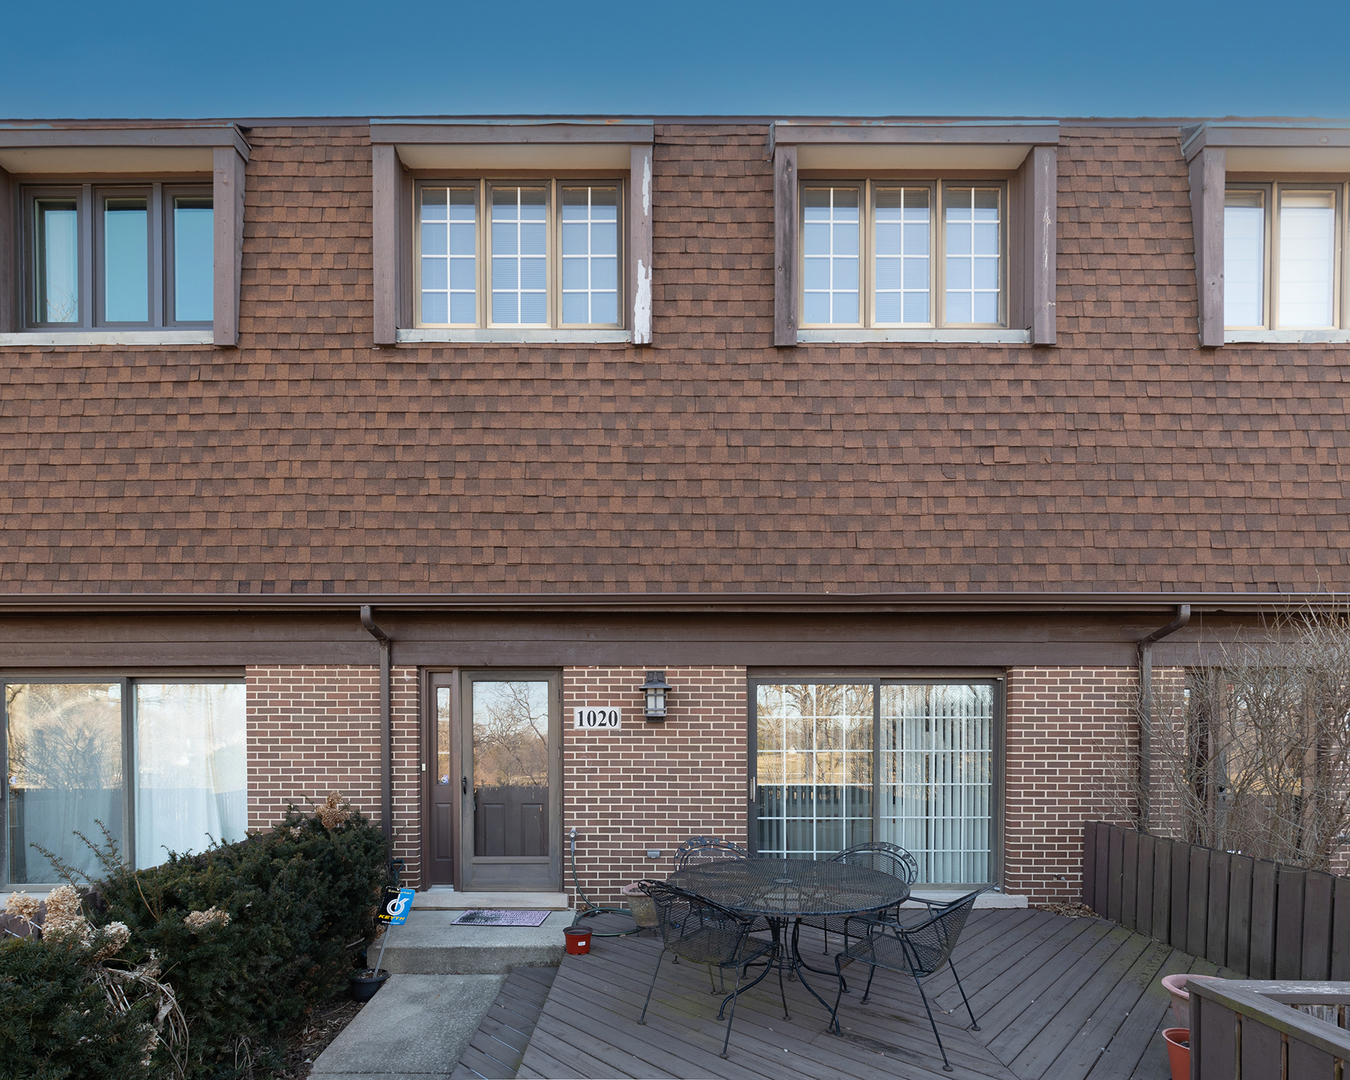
{"points": [[312, 730], [651, 785], [1059, 723]]}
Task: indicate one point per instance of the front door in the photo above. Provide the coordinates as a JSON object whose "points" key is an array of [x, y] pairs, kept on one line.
{"points": [[510, 782]]}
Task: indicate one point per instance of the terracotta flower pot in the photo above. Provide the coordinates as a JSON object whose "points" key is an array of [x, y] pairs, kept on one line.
{"points": [[1179, 1051], [1181, 998], [640, 904]]}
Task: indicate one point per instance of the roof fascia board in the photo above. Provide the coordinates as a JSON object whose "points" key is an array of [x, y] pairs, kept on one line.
{"points": [[957, 133], [417, 132], [17, 137], [658, 603], [1293, 136]]}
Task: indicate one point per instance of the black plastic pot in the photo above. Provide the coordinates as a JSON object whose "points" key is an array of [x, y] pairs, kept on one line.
{"points": [[365, 984]]}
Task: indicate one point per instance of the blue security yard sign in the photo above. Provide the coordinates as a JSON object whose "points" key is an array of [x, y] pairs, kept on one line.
{"points": [[395, 905]]}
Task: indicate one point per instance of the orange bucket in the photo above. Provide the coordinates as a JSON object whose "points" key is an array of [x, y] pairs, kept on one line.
{"points": [[578, 940]]}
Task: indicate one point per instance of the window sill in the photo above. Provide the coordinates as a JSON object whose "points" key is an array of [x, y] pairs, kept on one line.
{"points": [[1291, 337], [512, 337], [874, 337], [109, 337]]}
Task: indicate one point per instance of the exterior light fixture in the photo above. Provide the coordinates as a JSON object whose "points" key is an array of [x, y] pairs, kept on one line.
{"points": [[655, 690]]}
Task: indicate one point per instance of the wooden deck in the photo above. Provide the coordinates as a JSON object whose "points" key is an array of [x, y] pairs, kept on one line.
{"points": [[1055, 997]]}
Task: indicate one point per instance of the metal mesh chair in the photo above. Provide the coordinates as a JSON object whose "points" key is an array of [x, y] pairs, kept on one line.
{"points": [[703, 849], [875, 855], [705, 933], [920, 950]]}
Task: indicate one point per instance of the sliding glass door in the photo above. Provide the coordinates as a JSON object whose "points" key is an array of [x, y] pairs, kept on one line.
{"points": [[838, 763], [159, 765]]}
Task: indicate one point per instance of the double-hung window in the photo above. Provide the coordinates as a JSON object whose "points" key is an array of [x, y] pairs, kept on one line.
{"points": [[529, 254], [883, 254], [118, 256], [1283, 256]]}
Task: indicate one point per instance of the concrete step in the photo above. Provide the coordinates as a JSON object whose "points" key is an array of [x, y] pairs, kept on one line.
{"points": [[440, 899], [428, 944]]}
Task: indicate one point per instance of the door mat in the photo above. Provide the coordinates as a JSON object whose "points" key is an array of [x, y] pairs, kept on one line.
{"points": [[495, 917]]}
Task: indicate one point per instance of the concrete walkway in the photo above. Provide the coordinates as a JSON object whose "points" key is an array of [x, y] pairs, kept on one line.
{"points": [[416, 1026]]}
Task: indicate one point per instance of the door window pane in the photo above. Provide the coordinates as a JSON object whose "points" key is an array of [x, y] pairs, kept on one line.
{"points": [[126, 260], [519, 256], [191, 768], [971, 217], [56, 290], [64, 744], [193, 258], [830, 255], [1307, 258], [442, 735], [813, 768], [1244, 258], [936, 778], [510, 768]]}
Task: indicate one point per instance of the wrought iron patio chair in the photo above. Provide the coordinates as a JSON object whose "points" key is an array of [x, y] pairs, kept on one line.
{"points": [[706, 933], [698, 850], [919, 950], [875, 855], [704, 849]]}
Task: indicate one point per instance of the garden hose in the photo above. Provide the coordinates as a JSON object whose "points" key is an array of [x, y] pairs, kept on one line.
{"points": [[622, 915]]}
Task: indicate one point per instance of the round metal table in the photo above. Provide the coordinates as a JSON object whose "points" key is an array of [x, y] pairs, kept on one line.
{"points": [[785, 890]]}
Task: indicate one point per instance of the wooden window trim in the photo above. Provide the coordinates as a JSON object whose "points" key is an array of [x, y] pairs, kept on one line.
{"points": [[1218, 153], [135, 154], [1023, 154], [402, 151]]}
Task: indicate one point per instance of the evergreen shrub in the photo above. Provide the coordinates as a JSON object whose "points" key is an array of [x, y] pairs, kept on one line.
{"points": [[58, 1024], [251, 935]]}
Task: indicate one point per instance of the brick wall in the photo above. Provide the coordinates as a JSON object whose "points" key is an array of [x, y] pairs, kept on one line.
{"points": [[651, 785], [315, 729], [1060, 721]]}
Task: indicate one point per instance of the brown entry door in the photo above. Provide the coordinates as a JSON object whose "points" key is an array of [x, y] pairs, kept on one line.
{"points": [[510, 781]]}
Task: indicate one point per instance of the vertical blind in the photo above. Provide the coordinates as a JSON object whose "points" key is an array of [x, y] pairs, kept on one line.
{"points": [[839, 764]]}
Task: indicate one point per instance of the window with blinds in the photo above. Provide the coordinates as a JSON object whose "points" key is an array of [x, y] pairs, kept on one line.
{"points": [[907, 762]]}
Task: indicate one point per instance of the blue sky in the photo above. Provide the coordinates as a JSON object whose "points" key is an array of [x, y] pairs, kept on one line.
{"points": [[339, 58]]}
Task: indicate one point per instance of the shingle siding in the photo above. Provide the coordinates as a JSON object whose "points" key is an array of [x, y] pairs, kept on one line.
{"points": [[308, 461]]}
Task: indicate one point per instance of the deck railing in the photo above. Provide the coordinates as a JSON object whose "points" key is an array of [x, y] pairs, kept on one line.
{"points": [[1249, 1029], [1261, 919]]}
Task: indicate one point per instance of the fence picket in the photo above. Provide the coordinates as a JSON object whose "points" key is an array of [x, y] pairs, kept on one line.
{"points": [[1129, 877], [1198, 901], [1262, 952], [1239, 913], [1216, 929], [1144, 889], [1317, 892]]}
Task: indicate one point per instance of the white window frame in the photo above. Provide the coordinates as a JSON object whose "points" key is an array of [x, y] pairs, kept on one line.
{"points": [[1271, 191], [937, 253], [483, 272]]}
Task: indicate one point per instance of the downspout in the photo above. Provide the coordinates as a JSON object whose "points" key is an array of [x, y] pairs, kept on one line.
{"points": [[1144, 651], [386, 727]]}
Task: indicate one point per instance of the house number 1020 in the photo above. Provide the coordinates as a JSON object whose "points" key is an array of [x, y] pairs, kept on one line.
{"points": [[594, 719]]}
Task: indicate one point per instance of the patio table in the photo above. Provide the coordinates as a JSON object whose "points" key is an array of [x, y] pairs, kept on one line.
{"points": [[785, 890]]}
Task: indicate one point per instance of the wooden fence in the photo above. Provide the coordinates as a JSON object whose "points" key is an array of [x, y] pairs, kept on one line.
{"points": [[1247, 1029], [1260, 919]]}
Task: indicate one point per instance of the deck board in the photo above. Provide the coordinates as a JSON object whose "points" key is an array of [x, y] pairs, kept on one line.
{"points": [[1057, 998]]}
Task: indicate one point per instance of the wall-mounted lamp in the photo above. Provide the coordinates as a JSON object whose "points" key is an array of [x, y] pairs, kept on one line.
{"points": [[655, 689]]}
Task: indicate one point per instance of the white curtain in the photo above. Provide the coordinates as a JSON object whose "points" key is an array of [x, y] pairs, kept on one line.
{"points": [[191, 768]]}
